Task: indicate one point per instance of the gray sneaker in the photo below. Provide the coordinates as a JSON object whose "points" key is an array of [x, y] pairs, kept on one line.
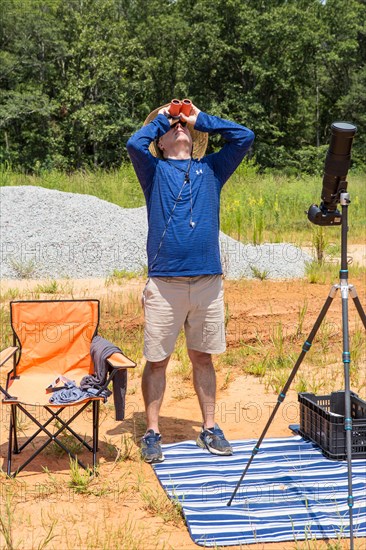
{"points": [[151, 448], [213, 440]]}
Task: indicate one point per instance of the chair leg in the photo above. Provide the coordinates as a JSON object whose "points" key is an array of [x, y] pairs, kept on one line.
{"points": [[10, 443], [13, 447], [95, 432], [56, 416], [14, 413], [51, 437]]}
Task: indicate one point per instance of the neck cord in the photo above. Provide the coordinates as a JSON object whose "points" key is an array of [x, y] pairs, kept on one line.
{"points": [[186, 172], [187, 179]]}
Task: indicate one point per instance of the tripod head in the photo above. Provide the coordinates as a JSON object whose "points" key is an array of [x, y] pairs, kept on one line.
{"points": [[336, 167]]}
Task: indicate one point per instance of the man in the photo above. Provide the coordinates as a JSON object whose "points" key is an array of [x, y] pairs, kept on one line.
{"points": [[185, 288]]}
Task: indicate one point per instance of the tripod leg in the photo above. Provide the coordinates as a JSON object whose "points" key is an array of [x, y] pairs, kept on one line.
{"points": [[358, 305], [282, 395], [347, 404]]}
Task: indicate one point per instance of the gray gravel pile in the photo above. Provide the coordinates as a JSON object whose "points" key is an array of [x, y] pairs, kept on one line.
{"points": [[51, 234]]}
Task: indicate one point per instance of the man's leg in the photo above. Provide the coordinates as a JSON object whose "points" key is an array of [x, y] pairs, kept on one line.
{"points": [[165, 309], [204, 381], [153, 388]]}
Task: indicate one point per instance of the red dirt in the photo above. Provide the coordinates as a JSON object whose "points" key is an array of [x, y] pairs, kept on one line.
{"points": [[254, 308]]}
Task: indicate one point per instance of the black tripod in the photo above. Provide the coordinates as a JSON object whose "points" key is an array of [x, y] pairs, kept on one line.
{"points": [[345, 289]]}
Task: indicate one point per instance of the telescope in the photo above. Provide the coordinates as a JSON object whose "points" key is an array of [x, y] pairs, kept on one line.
{"points": [[336, 167], [334, 191]]}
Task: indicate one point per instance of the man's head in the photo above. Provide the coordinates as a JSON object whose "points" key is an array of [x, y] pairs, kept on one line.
{"points": [[177, 143], [198, 140]]}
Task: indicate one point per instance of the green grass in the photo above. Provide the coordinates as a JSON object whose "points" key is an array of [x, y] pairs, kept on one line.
{"points": [[326, 273], [255, 207], [50, 287], [119, 187], [271, 208], [120, 276], [80, 479]]}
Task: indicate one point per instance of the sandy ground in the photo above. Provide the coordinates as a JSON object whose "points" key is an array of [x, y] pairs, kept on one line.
{"points": [[356, 253], [113, 513]]}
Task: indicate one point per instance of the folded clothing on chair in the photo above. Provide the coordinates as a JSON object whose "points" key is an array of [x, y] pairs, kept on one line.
{"points": [[93, 385], [71, 393]]}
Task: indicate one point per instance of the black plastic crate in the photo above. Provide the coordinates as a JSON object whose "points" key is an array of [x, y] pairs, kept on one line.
{"points": [[322, 421]]}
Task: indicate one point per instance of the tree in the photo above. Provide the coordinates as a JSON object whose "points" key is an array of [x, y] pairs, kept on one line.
{"points": [[77, 77]]}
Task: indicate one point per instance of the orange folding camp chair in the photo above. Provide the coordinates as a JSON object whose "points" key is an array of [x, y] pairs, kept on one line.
{"points": [[51, 343]]}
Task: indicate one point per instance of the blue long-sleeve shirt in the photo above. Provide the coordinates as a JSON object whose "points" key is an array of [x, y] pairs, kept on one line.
{"points": [[174, 247]]}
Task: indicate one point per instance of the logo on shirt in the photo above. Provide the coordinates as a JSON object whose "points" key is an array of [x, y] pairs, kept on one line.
{"points": [[200, 171]]}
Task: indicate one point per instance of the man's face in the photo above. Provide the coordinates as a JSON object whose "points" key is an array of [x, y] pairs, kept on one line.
{"points": [[177, 138]]}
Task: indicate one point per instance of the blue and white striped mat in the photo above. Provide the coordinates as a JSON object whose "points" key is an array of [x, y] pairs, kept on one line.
{"points": [[291, 492]]}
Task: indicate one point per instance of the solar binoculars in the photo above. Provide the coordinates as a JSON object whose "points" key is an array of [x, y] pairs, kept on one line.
{"points": [[177, 106]]}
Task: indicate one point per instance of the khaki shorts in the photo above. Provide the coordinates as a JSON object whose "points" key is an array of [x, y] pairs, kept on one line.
{"points": [[195, 303]]}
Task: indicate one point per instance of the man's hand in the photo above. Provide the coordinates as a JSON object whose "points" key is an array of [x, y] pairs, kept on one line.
{"points": [[165, 111], [191, 119]]}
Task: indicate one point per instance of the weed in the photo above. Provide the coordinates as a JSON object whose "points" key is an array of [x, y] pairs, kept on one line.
{"points": [[325, 334], [258, 368], [80, 478], [7, 522], [256, 215], [333, 250], [123, 451], [11, 294], [74, 445], [50, 487], [278, 340], [276, 379], [319, 242], [310, 381], [178, 504], [120, 276], [258, 274], [301, 384], [231, 358], [23, 269], [130, 536], [157, 504], [47, 288], [227, 380], [49, 534], [301, 318], [67, 288], [22, 422], [315, 273], [358, 354]]}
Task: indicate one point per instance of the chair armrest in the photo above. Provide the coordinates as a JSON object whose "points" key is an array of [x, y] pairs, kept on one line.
{"points": [[120, 361], [6, 354]]}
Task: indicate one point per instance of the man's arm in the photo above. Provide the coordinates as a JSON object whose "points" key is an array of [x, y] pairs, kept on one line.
{"points": [[238, 141], [143, 161]]}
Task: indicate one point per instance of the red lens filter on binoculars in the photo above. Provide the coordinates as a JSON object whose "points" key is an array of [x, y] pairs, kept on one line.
{"points": [[177, 106]]}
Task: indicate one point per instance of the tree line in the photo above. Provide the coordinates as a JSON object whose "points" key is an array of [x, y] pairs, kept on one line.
{"points": [[78, 77]]}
